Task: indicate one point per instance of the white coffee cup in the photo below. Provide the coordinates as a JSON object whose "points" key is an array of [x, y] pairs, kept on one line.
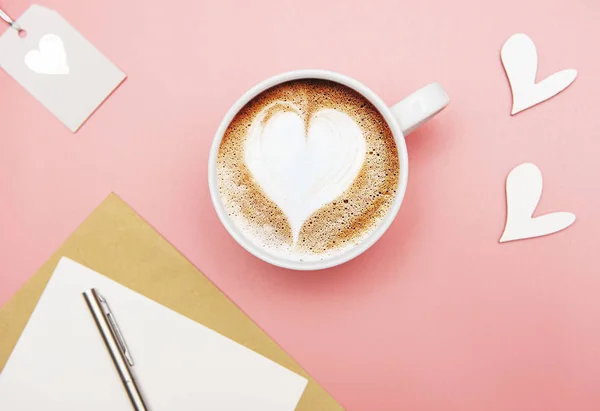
{"points": [[402, 118]]}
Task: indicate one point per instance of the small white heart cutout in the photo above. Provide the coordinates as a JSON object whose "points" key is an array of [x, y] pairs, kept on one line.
{"points": [[520, 60], [50, 58], [523, 191], [302, 170]]}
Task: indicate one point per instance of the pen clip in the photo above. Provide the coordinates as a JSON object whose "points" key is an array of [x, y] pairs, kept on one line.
{"points": [[114, 328]]}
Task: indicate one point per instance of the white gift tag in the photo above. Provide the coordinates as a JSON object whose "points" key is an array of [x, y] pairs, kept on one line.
{"points": [[58, 66]]}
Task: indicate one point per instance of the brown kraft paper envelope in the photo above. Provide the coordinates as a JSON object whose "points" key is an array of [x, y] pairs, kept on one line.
{"points": [[119, 244]]}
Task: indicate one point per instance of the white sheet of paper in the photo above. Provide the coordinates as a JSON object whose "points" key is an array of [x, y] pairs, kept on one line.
{"points": [[58, 66], [61, 362]]}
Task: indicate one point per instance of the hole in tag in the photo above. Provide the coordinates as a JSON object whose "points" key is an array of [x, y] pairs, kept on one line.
{"points": [[22, 33]]}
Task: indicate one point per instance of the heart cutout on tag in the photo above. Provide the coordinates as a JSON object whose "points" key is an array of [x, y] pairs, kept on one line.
{"points": [[50, 58], [302, 167], [520, 60], [523, 191]]}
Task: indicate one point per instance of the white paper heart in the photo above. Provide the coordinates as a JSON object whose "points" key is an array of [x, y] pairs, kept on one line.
{"points": [[523, 191], [520, 60], [302, 171], [50, 58]]}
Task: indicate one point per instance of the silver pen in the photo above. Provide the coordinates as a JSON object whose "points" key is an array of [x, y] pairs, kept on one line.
{"points": [[115, 343]]}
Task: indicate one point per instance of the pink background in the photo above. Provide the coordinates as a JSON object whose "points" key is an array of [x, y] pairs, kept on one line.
{"points": [[437, 315]]}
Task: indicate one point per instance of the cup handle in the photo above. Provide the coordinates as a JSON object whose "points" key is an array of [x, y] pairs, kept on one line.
{"points": [[420, 106]]}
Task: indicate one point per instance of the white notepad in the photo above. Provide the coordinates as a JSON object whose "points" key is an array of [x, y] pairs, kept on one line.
{"points": [[61, 362]]}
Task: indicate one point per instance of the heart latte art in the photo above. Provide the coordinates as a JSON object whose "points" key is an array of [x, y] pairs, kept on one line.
{"points": [[302, 170], [307, 169]]}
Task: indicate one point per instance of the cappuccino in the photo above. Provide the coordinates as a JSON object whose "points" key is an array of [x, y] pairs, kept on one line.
{"points": [[307, 169]]}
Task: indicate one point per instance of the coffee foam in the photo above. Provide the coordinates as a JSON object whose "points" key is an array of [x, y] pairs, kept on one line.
{"points": [[342, 221], [329, 157]]}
